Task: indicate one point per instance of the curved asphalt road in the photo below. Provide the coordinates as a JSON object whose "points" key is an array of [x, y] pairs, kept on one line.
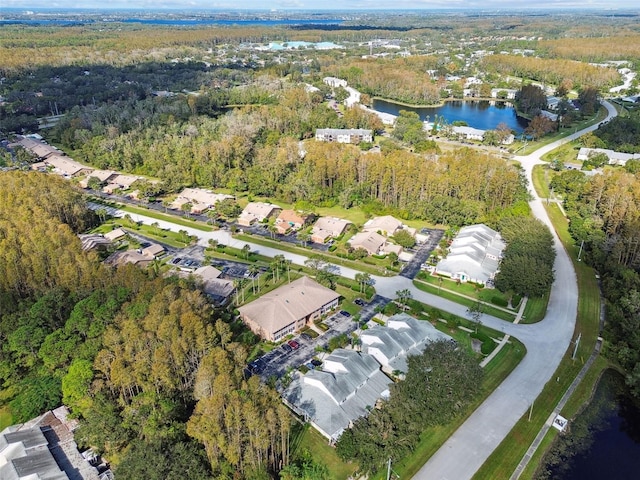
{"points": [[546, 342]]}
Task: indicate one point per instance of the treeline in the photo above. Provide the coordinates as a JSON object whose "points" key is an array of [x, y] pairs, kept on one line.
{"points": [[621, 134], [594, 49], [145, 363], [604, 213], [402, 79], [52, 91], [527, 264], [439, 386], [551, 71], [256, 150]]}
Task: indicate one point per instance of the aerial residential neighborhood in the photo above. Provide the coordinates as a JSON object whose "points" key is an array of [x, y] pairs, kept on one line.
{"points": [[347, 243]]}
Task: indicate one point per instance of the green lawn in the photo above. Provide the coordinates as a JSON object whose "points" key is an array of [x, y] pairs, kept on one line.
{"points": [[6, 418], [521, 148], [288, 247], [322, 452], [535, 309], [469, 289], [506, 457], [489, 310], [157, 215], [541, 178]]}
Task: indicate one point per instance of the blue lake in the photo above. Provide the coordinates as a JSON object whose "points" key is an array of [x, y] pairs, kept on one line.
{"points": [[604, 440], [480, 114]]}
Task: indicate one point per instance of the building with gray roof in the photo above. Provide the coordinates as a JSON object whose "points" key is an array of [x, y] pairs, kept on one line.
{"points": [[344, 135], [403, 336], [474, 255], [43, 449], [347, 388]]}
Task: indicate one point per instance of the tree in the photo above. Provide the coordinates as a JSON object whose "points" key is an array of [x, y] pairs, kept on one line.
{"points": [[403, 297], [491, 138], [186, 208], [404, 239], [75, 385], [246, 251], [540, 126], [363, 280], [530, 99], [588, 100], [409, 128], [474, 312], [303, 237]]}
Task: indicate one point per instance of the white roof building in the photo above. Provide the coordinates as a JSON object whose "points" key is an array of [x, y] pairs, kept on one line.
{"points": [[403, 336], [327, 227], [387, 225], [348, 387], [474, 255], [344, 135], [372, 242], [469, 133], [257, 212], [615, 158]]}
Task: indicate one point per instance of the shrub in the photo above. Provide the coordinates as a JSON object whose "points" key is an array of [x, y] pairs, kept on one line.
{"points": [[332, 248], [499, 301]]}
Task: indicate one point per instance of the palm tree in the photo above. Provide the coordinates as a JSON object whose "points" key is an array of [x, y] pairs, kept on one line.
{"points": [[253, 271], [403, 297], [303, 237], [363, 279], [186, 208], [102, 214], [211, 215], [246, 251], [166, 204]]}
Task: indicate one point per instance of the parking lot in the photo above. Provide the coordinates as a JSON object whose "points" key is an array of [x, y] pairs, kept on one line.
{"points": [[276, 362]]}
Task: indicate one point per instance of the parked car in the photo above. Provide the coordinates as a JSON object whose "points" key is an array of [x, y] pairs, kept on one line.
{"points": [[286, 347], [306, 336], [293, 344], [359, 302], [315, 362], [344, 313], [309, 365]]}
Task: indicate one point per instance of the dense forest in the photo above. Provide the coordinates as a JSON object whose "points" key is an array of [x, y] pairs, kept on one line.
{"points": [[144, 362], [604, 213], [255, 150], [621, 134]]}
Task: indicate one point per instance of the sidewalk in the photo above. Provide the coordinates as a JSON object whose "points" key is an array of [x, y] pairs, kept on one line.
{"points": [[506, 338], [468, 297]]}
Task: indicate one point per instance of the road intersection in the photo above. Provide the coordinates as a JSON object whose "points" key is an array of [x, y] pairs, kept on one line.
{"points": [[546, 342]]}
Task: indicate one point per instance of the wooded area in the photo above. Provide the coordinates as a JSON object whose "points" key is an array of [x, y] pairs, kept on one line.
{"points": [[604, 213], [138, 359]]}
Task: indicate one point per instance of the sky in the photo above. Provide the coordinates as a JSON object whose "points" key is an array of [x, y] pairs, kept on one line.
{"points": [[158, 5]]}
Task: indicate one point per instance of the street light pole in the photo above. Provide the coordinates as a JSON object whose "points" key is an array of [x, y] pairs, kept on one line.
{"points": [[580, 251]]}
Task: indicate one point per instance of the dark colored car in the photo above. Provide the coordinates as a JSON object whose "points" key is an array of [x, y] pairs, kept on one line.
{"points": [[316, 363], [344, 313], [286, 347], [293, 344], [306, 336], [359, 301]]}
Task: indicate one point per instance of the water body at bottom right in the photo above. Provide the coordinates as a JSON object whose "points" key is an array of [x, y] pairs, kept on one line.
{"points": [[602, 442]]}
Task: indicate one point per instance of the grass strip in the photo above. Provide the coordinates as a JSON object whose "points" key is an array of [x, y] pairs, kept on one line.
{"points": [[504, 460], [286, 247], [467, 302]]}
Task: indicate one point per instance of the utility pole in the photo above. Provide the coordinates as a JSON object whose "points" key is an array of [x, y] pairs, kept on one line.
{"points": [[389, 469]]}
